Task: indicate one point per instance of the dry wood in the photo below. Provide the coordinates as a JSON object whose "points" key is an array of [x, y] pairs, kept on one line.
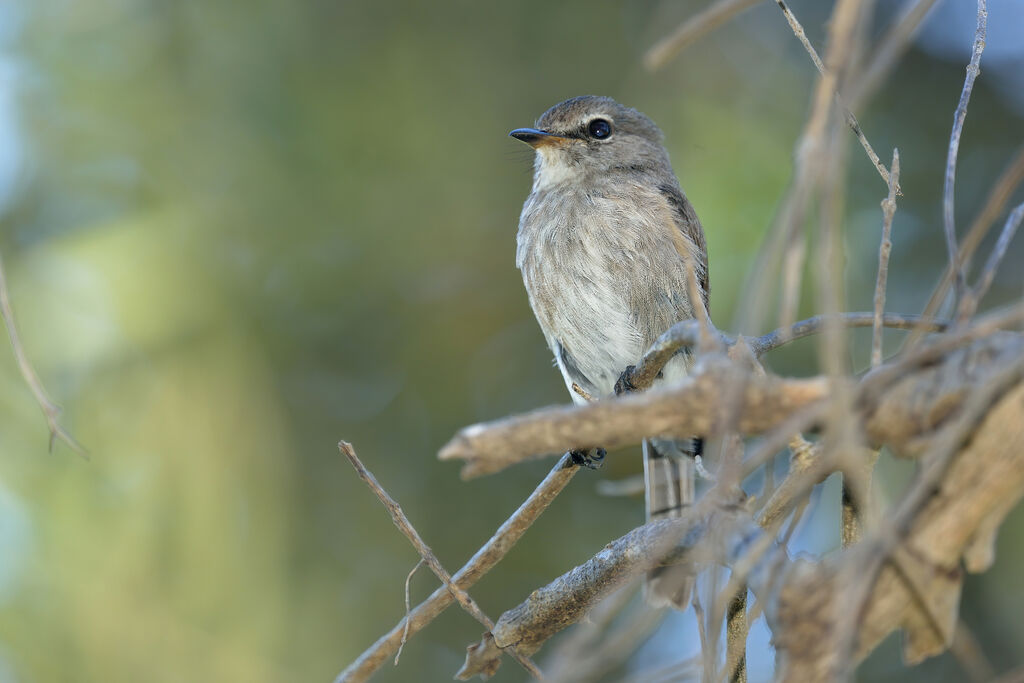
{"points": [[482, 561], [803, 599]]}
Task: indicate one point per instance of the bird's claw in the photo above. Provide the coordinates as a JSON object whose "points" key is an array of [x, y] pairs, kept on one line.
{"points": [[624, 384], [591, 458]]}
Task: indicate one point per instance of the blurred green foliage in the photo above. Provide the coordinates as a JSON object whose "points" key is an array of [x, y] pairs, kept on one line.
{"points": [[245, 230]]}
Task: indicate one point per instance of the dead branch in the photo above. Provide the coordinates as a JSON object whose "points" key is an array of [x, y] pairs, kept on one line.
{"points": [[803, 599], [690, 407], [949, 220], [426, 555], [482, 562], [568, 598], [694, 406]]}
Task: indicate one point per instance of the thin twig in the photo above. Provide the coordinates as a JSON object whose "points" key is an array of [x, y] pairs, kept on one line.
{"points": [[693, 28], [973, 296], [948, 218], [805, 328], [996, 201], [884, 249], [406, 527], [405, 631], [851, 120], [50, 409], [482, 562]]}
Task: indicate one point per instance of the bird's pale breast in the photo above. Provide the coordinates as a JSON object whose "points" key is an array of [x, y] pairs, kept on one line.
{"points": [[604, 275]]}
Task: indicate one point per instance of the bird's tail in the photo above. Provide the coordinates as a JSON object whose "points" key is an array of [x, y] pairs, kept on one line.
{"points": [[669, 473]]}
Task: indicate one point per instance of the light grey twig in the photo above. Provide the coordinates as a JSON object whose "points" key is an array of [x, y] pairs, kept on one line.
{"points": [[50, 409], [884, 249], [948, 218]]}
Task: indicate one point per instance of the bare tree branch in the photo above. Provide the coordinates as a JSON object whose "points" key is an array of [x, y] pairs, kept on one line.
{"points": [[690, 407], [948, 217], [427, 555], [482, 562], [803, 599]]}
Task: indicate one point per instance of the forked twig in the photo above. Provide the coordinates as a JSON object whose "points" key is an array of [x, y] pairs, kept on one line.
{"points": [[406, 527], [482, 562]]}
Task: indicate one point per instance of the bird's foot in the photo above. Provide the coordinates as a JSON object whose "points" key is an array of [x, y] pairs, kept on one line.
{"points": [[591, 458], [624, 384]]}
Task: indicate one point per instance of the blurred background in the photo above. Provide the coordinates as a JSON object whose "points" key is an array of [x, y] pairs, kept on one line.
{"points": [[236, 233]]}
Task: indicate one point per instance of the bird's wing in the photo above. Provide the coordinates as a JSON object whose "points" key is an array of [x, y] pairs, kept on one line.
{"points": [[691, 233], [574, 375]]}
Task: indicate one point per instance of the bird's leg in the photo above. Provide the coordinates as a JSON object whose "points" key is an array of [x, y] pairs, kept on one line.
{"points": [[591, 458], [624, 384]]}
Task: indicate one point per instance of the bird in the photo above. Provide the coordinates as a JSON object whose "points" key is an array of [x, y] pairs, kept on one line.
{"points": [[607, 241]]}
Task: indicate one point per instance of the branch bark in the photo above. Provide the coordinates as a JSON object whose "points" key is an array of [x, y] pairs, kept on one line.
{"points": [[803, 600]]}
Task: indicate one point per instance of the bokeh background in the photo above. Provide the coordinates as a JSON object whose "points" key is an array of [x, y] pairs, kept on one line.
{"points": [[237, 232]]}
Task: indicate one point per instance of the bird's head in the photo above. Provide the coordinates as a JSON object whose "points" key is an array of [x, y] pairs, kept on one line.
{"points": [[590, 135]]}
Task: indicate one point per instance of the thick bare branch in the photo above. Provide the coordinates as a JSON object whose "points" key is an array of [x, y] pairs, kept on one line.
{"points": [[694, 406], [696, 538]]}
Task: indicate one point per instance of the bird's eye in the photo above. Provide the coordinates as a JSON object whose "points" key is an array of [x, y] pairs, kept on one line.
{"points": [[600, 129]]}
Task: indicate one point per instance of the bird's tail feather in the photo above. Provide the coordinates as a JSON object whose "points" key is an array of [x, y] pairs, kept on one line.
{"points": [[669, 474]]}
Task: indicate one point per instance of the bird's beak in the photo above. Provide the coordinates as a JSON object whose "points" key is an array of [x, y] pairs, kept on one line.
{"points": [[536, 138]]}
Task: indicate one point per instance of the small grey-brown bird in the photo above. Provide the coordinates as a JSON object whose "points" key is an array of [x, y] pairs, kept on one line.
{"points": [[604, 242]]}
